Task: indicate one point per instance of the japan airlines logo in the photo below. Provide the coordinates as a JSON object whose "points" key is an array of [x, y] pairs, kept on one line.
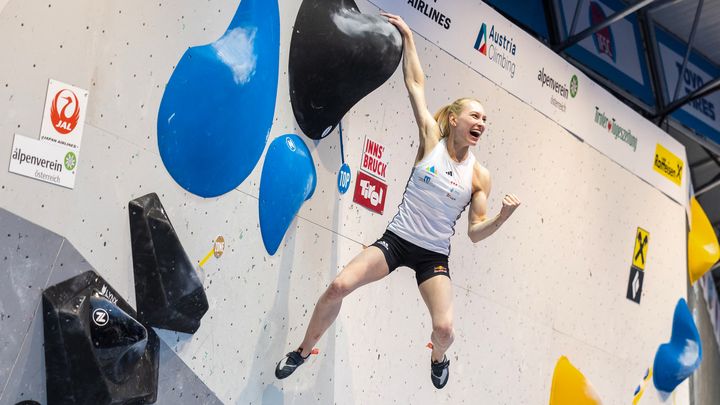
{"points": [[65, 111]]}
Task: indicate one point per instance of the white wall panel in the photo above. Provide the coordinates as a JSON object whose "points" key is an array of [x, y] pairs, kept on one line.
{"points": [[550, 282]]}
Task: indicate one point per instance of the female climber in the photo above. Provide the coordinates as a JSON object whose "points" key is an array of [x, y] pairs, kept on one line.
{"points": [[445, 179]]}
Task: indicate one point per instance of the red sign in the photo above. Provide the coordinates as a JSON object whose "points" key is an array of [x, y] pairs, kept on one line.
{"points": [[65, 111], [370, 192], [372, 159]]}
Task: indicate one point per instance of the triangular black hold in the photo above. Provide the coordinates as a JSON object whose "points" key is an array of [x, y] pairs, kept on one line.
{"points": [[95, 351], [168, 291]]}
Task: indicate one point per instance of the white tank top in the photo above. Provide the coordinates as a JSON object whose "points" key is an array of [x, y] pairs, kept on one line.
{"points": [[437, 193]]}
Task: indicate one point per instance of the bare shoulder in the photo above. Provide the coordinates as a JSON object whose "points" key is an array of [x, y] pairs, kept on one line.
{"points": [[481, 179]]}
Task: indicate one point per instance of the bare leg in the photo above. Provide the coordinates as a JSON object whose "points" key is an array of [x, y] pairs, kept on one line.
{"points": [[437, 294], [368, 266]]}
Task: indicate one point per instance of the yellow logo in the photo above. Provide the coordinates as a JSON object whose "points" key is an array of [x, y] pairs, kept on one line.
{"points": [[669, 165], [641, 247]]}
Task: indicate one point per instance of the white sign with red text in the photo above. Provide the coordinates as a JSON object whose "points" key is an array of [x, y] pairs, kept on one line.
{"points": [[373, 161], [370, 186], [64, 115]]}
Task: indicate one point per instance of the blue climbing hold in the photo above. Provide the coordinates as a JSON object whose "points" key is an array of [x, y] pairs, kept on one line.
{"points": [[218, 106], [677, 360], [288, 179]]}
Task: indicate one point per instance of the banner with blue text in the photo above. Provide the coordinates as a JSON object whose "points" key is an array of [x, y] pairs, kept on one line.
{"points": [[488, 43]]}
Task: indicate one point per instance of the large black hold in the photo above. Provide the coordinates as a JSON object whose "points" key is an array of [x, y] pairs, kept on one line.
{"points": [[168, 291], [337, 56], [95, 351]]}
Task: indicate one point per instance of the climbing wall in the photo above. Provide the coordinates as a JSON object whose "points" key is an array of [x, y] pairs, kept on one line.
{"points": [[552, 281]]}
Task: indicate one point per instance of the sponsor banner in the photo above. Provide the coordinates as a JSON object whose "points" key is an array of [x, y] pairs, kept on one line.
{"points": [[486, 42], [64, 115], [370, 192], [373, 159], [616, 51], [703, 113], [44, 161], [668, 165]]}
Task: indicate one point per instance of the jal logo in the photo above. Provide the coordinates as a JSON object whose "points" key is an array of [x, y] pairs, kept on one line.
{"points": [[65, 111], [603, 39]]}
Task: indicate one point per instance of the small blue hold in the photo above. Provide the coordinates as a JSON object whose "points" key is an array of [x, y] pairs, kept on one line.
{"points": [[677, 360], [288, 179]]}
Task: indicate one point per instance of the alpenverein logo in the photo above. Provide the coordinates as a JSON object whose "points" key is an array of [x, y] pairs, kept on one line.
{"points": [[70, 161], [65, 117], [574, 86], [668, 164], [22, 157], [500, 50]]}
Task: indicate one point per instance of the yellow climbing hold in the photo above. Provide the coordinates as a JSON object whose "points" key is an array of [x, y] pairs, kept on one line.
{"points": [[569, 386]]}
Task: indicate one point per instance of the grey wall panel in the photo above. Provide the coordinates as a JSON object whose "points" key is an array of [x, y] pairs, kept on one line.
{"points": [[177, 384], [27, 254], [27, 381]]}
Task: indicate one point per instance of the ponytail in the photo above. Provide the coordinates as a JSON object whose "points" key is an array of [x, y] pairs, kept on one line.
{"points": [[442, 116], [443, 119]]}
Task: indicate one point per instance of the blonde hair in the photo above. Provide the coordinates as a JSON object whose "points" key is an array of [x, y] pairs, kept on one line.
{"points": [[442, 116]]}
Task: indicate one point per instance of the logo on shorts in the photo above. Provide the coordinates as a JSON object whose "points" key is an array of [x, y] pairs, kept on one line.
{"points": [[383, 244], [440, 269]]}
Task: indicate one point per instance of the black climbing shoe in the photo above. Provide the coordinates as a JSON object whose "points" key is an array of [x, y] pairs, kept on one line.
{"points": [[289, 364], [439, 372]]}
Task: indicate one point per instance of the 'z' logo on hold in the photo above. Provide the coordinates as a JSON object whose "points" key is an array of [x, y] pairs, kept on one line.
{"points": [[100, 317]]}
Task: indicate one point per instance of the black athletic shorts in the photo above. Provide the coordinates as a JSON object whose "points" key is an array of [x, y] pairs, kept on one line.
{"points": [[399, 252]]}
